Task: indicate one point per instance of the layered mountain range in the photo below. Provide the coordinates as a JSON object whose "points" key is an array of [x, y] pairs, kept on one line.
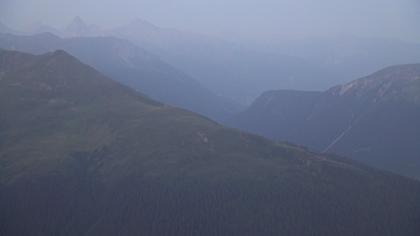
{"points": [[228, 69], [132, 66], [242, 71], [81, 154], [375, 119]]}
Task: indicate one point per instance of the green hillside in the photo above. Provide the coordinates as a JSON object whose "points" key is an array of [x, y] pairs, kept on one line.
{"points": [[83, 155]]}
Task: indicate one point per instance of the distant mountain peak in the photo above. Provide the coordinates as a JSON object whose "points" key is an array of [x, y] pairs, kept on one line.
{"points": [[78, 27], [77, 20], [407, 72], [374, 119], [77, 24], [381, 82]]}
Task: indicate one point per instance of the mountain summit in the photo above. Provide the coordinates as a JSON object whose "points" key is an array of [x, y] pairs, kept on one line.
{"points": [[375, 119], [78, 28], [381, 84], [132, 66]]}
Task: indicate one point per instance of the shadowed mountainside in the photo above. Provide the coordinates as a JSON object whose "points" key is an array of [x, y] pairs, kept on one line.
{"points": [[375, 119], [132, 66], [81, 154]]}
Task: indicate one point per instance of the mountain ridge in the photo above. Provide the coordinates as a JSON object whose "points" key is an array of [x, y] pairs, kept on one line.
{"points": [[359, 119], [82, 154], [386, 78], [133, 66], [225, 68]]}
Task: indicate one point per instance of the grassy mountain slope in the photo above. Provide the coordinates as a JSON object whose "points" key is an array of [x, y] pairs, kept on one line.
{"points": [[132, 66], [83, 155]]}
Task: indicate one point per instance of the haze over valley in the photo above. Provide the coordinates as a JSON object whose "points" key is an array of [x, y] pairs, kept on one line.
{"points": [[210, 117]]}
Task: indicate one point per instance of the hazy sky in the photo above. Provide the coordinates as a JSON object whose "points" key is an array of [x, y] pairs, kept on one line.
{"points": [[252, 19]]}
